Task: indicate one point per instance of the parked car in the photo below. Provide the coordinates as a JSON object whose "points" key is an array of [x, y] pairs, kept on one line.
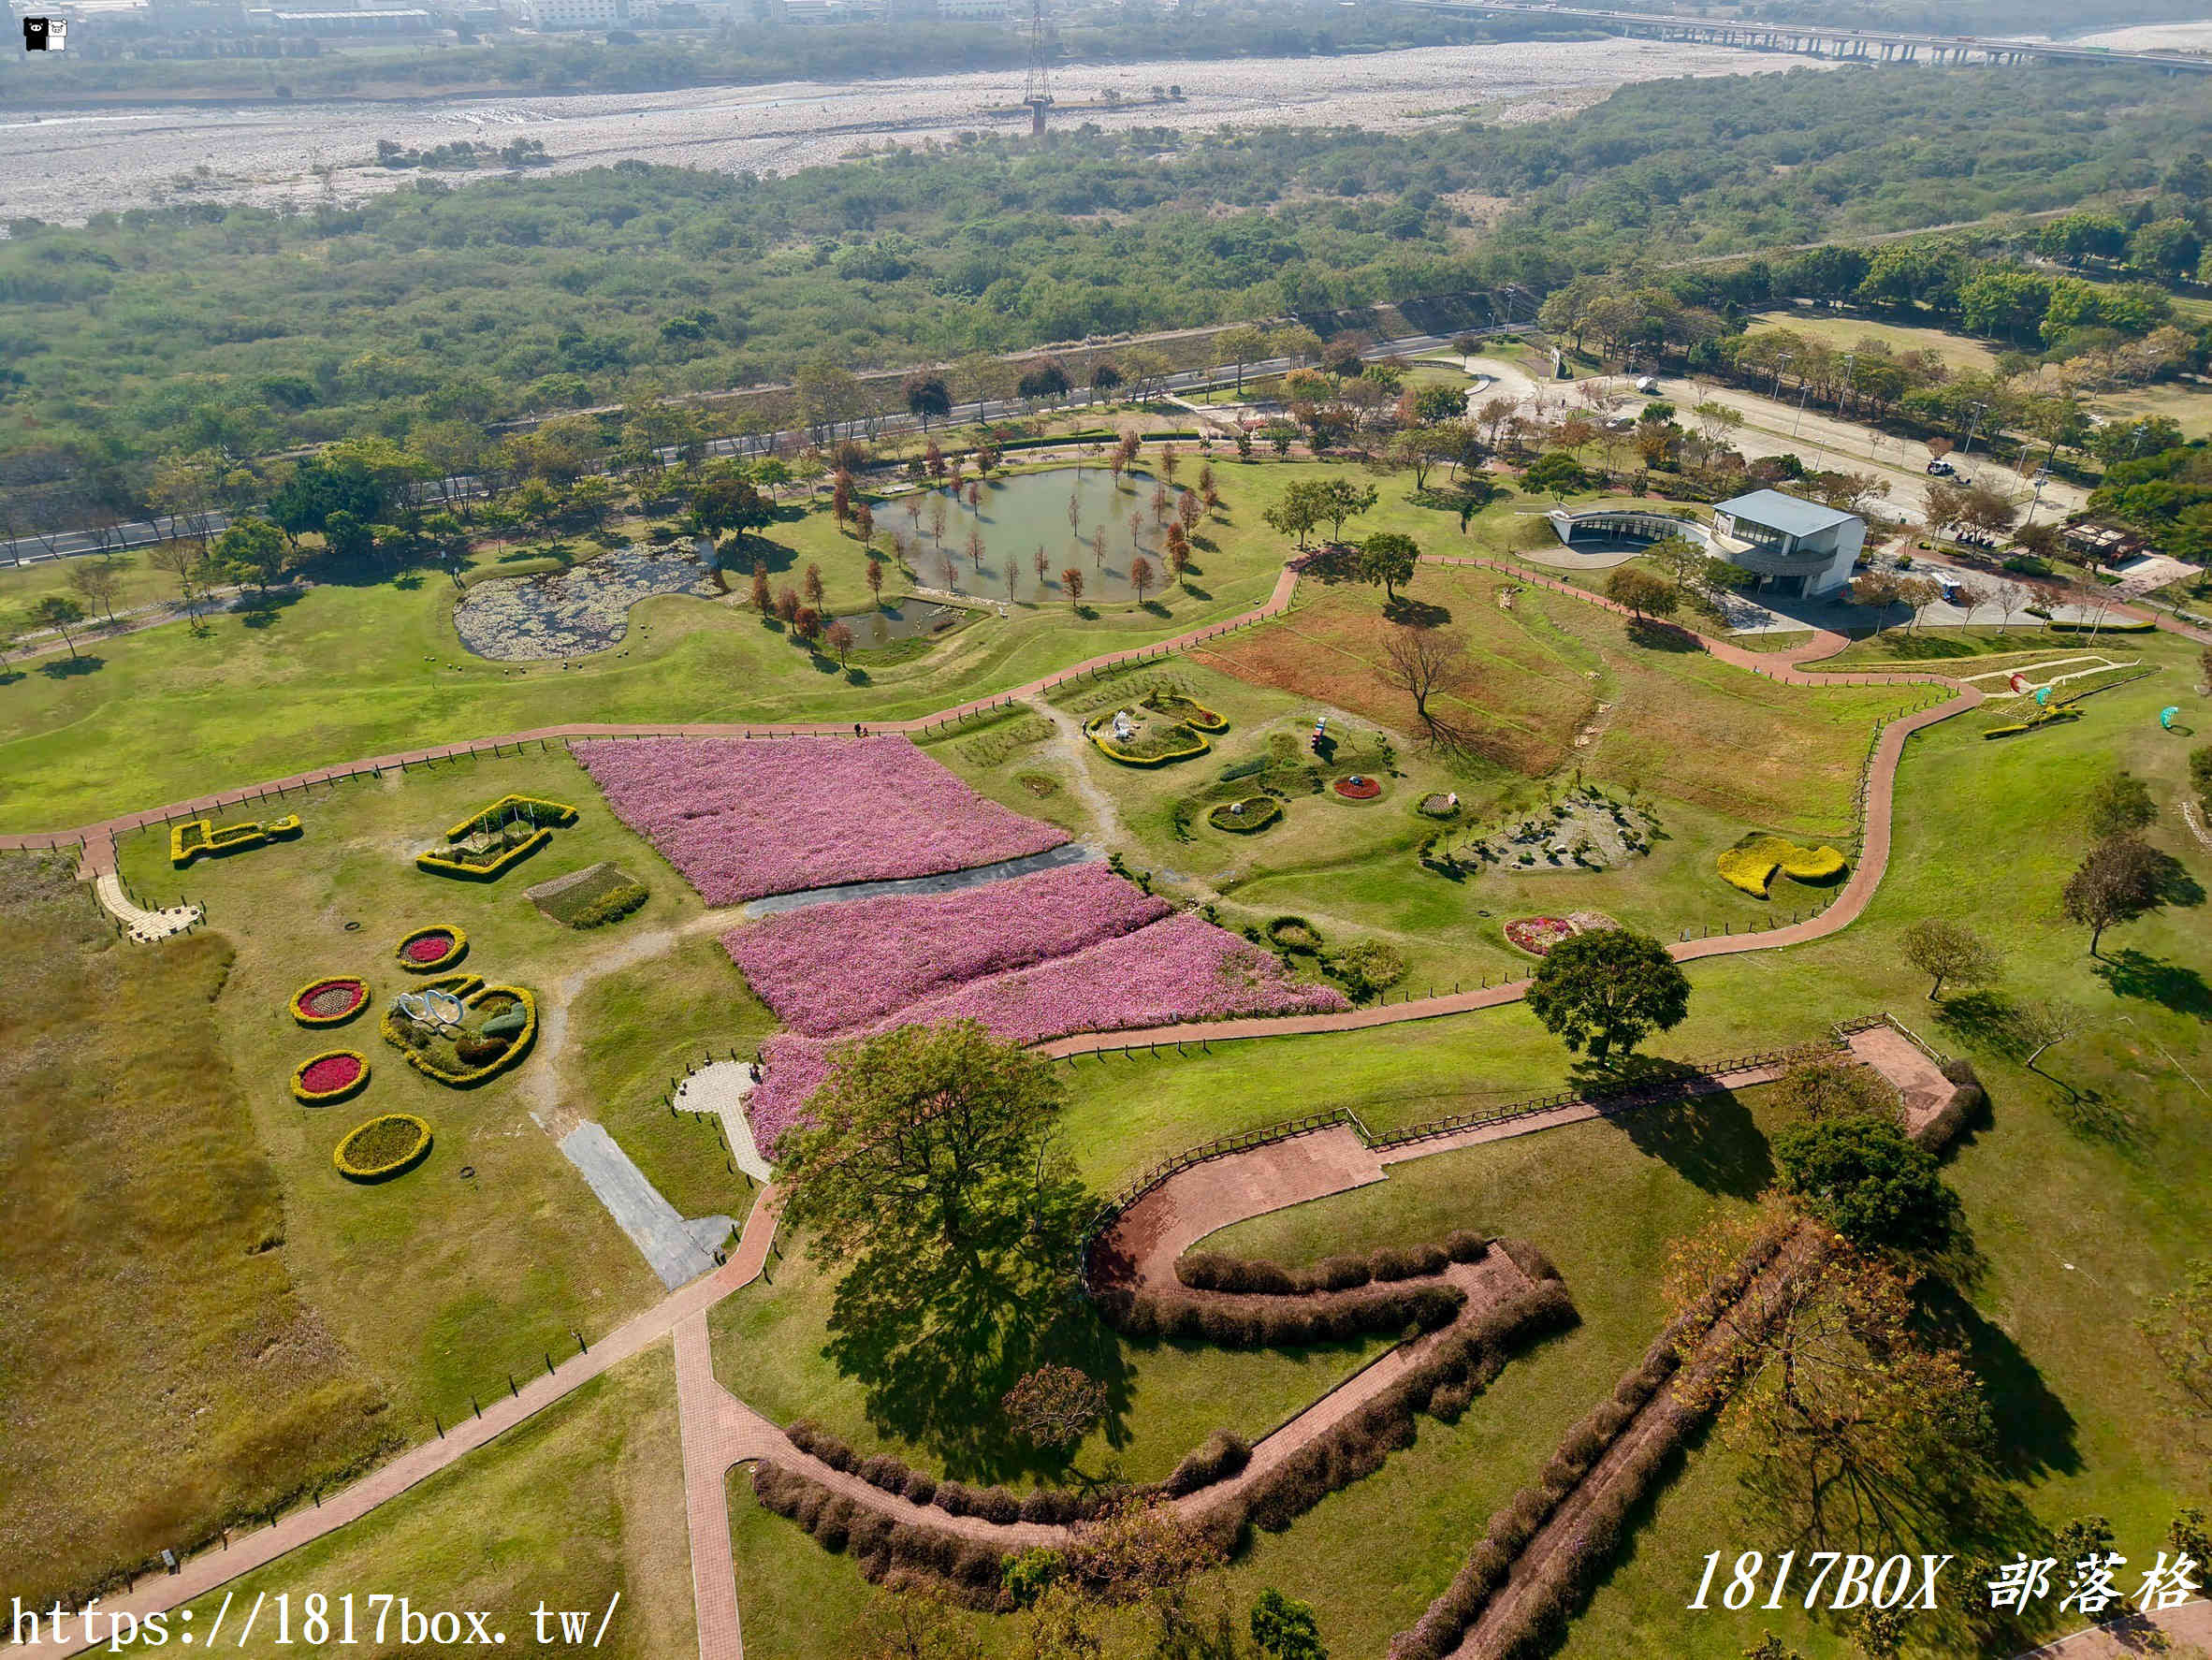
{"points": [[1941, 468], [1646, 384]]}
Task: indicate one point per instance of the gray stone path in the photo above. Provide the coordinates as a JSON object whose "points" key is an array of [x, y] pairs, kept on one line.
{"points": [[1068, 853], [676, 1250]]}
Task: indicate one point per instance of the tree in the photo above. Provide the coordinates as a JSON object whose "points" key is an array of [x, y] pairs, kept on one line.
{"points": [[728, 503], [1946, 950], [251, 550], [1071, 579], [875, 580], [1388, 558], [762, 603], [1286, 1630], [1366, 968], [95, 580], [811, 585], [2042, 1024], [1301, 510], [187, 564], [1869, 1181], [1878, 591], [60, 613], [839, 638], [1055, 1405], [1642, 592], [1837, 1087], [1105, 376], [2117, 881], [1844, 1407], [928, 396], [1557, 473], [2179, 1331], [2119, 805], [1425, 664], [1608, 989], [1141, 576], [1341, 498], [930, 1179], [1240, 346]]}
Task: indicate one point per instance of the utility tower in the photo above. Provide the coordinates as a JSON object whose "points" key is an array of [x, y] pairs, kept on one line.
{"points": [[1038, 91]]}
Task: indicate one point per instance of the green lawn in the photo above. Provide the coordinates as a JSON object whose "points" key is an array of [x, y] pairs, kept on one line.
{"points": [[440, 1284], [574, 1506], [1958, 352], [345, 671]]}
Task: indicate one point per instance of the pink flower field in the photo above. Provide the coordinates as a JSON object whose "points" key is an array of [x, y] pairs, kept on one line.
{"points": [[743, 818], [1181, 969], [831, 969]]}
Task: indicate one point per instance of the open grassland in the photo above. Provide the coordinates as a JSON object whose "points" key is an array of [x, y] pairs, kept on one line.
{"points": [[343, 671], [1958, 353], [570, 1508], [439, 1283], [162, 1371], [2189, 407]]}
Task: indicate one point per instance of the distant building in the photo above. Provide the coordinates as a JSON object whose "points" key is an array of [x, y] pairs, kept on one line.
{"points": [[970, 11], [1795, 547], [583, 14], [382, 22]]}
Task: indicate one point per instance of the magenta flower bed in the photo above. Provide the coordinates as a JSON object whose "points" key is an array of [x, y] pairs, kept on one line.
{"points": [[430, 948], [746, 816], [1178, 970], [832, 968], [329, 1072]]}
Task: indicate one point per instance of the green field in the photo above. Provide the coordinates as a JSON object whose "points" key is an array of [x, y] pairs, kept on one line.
{"points": [[1957, 351]]}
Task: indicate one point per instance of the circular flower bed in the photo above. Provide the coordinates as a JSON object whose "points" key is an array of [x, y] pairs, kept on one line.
{"points": [[383, 1147], [1356, 788], [1242, 818], [1438, 805], [330, 1001], [330, 1077], [1537, 935], [428, 950], [1294, 933]]}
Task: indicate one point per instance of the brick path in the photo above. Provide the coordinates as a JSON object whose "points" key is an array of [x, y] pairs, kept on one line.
{"points": [[2127, 1640]]}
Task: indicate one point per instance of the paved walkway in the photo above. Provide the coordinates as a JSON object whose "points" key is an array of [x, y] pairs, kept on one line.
{"points": [[949, 881], [2130, 1640], [213, 1568], [677, 1250], [145, 926], [722, 1087]]}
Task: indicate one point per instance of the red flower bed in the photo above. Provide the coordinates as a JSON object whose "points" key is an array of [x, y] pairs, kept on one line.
{"points": [[1359, 789], [429, 948], [330, 1071], [1537, 935], [329, 1000]]}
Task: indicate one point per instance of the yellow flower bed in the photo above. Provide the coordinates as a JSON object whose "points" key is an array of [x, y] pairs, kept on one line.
{"points": [[459, 949], [194, 836], [538, 809], [1751, 865], [382, 1148]]}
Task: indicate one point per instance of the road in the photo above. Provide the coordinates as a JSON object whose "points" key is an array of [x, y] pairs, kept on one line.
{"points": [[32, 549]]}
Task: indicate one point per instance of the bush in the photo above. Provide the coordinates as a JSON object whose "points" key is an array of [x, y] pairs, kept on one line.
{"points": [[885, 1472], [1529, 1260], [612, 905], [1221, 1455], [921, 1487]]}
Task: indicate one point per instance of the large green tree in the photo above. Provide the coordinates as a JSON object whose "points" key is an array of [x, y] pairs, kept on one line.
{"points": [[1867, 1180], [931, 1182], [1607, 990], [1390, 559]]}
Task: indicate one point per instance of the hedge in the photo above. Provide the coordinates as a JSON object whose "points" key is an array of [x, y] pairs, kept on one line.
{"points": [[447, 865], [194, 836], [611, 906], [1097, 731], [1248, 822], [1210, 1271], [1267, 1322], [2043, 719], [890, 1553], [384, 1165], [539, 809], [1554, 1589], [1751, 863], [1000, 1505], [2126, 625]]}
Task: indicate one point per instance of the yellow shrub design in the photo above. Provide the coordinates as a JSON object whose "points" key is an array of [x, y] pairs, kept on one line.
{"points": [[1751, 865]]}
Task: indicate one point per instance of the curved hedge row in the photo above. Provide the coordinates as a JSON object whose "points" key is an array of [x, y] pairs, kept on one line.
{"points": [[894, 1554], [472, 992], [1100, 734], [1751, 863], [380, 1148], [1248, 822], [1210, 1271], [1272, 1322]]}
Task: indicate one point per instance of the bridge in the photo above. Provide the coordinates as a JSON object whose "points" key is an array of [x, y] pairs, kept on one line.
{"points": [[1820, 39]]}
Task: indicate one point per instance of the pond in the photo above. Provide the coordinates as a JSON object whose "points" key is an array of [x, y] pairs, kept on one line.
{"points": [[903, 621], [1076, 516], [583, 609]]}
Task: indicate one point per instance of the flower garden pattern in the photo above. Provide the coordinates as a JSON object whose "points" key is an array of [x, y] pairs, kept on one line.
{"points": [[334, 1076], [381, 1148], [499, 1025], [1752, 863], [195, 837], [1248, 817], [832, 968], [744, 818], [428, 950], [332, 1000]]}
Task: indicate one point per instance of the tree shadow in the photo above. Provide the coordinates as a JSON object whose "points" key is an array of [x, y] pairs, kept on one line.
{"points": [[1710, 1141], [738, 552], [1416, 613], [2034, 1430], [68, 668], [2132, 973], [1655, 636], [1984, 1020], [1192, 588], [10, 676], [408, 580], [1157, 607]]}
